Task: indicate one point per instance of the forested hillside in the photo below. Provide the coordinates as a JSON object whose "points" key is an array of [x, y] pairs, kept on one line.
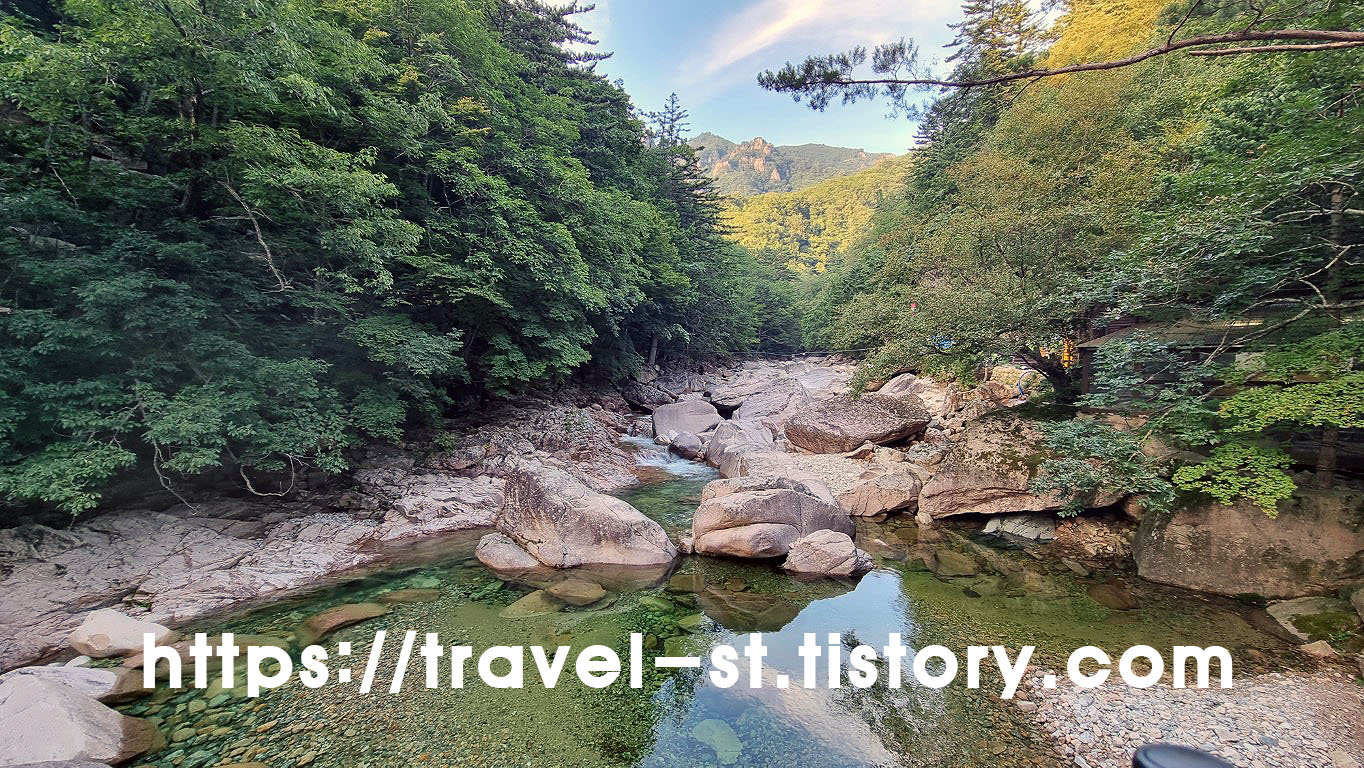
{"points": [[1202, 209], [254, 235], [807, 229]]}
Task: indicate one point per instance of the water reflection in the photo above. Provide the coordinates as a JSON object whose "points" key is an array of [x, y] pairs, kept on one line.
{"points": [[827, 727]]}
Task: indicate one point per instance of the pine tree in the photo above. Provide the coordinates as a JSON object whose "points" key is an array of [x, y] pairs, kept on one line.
{"points": [[669, 125], [995, 34]]}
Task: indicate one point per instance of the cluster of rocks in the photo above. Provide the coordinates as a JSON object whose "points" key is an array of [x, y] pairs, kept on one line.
{"points": [[60, 712], [800, 462], [191, 561], [811, 458], [563, 523]]}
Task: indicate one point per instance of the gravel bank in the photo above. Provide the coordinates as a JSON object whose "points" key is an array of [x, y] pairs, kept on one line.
{"points": [[1280, 720]]}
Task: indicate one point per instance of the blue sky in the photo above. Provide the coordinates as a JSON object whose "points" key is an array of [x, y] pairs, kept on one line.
{"points": [[710, 51]]}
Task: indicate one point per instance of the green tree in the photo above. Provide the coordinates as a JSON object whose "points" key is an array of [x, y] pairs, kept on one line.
{"points": [[254, 235]]}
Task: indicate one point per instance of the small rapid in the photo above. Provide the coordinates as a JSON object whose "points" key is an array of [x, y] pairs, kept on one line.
{"points": [[650, 454]]}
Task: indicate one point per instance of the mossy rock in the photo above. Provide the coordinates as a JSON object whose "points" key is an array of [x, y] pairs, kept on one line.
{"points": [[1315, 618], [1322, 626], [657, 604], [948, 563], [717, 735]]}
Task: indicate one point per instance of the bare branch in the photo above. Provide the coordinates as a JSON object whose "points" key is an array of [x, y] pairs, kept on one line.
{"points": [[260, 237], [1284, 48]]}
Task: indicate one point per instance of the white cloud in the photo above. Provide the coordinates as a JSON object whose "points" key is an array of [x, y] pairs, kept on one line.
{"points": [[598, 21], [820, 26]]}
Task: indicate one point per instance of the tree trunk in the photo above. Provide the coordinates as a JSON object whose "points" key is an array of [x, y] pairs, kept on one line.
{"points": [[1062, 383], [1326, 458], [1330, 434], [653, 351]]}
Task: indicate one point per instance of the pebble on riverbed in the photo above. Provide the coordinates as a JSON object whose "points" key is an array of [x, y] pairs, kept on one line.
{"points": [[1280, 720]]}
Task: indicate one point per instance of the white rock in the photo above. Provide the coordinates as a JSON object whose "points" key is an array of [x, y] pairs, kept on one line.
{"points": [[694, 416], [827, 553], [107, 632], [1030, 527], [95, 683], [43, 720]]}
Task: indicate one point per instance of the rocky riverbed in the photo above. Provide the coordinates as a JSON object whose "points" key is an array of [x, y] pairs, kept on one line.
{"points": [[920, 480], [1284, 720]]}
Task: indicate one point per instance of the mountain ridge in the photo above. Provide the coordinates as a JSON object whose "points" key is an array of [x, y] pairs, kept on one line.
{"points": [[756, 166]]}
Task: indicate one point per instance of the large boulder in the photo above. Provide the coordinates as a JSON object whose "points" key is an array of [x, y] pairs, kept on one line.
{"points": [[563, 523], [802, 483], [940, 398], [775, 404], [841, 424], [107, 632], [827, 553], [730, 395], [879, 491], [765, 467], [732, 436], [762, 522], [42, 720], [986, 470], [103, 684], [694, 416], [903, 384], [645, 395], [687, 445], [1315, 544]]}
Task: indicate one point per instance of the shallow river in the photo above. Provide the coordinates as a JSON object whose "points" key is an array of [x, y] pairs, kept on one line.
{"points": [[678, 719]]}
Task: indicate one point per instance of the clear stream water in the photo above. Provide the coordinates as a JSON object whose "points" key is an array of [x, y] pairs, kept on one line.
{"points": [[678, 719]]}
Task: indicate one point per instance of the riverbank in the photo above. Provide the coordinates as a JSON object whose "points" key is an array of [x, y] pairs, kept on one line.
{"points": [[406, 524]]}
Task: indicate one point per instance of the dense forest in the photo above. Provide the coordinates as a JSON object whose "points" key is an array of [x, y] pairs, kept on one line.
{"points": [[1194, 218], [255, 235]]}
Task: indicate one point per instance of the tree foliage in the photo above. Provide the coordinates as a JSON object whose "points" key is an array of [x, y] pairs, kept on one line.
{"points": [[1214, 193], [256, 234]]}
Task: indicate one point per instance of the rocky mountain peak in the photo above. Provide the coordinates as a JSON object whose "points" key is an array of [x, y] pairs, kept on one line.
{"points": [[758, 166]]}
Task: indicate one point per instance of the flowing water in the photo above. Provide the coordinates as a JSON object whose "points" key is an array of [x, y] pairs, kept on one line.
{"points": [[678, 718]]}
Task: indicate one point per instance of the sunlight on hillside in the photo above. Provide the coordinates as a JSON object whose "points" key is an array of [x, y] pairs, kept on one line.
{"points": [[805, 229]]}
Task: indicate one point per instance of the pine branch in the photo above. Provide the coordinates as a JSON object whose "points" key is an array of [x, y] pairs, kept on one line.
{"points": [[790, 79]]}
